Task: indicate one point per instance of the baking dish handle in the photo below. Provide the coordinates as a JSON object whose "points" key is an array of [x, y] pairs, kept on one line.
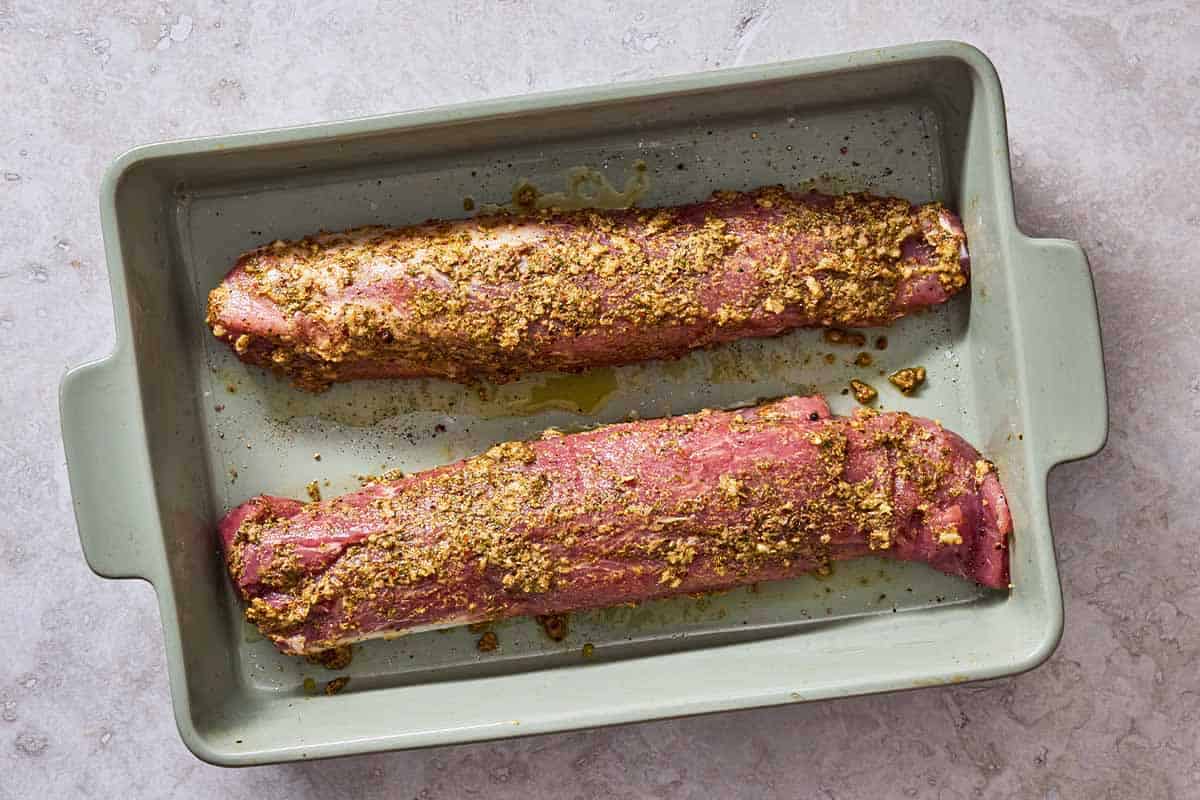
{"points": [[1063, 354], [107, 464]]}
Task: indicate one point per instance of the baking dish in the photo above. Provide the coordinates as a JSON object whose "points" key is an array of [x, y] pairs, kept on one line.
{"points": [[170, 430]]}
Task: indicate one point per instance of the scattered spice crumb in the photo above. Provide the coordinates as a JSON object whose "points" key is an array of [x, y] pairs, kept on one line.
{"points": [[314, 491], [589, 650], [334, 658], [909, 379], [310, 686], [231, 387], [554, 626], [525, 195], [336, 685], [389, 475], [863, 393], [219, 407], [233, 474], [316, 456], [830, 358], [488, 642], [863, 359], [839, 336], [881, 343], [949, 536], [468, 204]]}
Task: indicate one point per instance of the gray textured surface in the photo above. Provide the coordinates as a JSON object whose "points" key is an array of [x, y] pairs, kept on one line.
{"points": [[1104, 121]]}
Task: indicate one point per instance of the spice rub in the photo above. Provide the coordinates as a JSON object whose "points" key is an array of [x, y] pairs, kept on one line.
{"points": [[624, 513], [546, 289]]}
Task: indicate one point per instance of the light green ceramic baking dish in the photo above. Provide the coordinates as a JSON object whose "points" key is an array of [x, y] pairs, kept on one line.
{"points": [[170, 431]]}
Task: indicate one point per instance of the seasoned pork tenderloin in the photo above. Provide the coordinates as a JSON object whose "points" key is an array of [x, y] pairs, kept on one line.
{"points": [[624, 513], [498, 296]]}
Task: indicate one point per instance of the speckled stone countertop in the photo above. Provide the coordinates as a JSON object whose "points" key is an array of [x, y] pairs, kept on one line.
{"points": [[1104, 105]]}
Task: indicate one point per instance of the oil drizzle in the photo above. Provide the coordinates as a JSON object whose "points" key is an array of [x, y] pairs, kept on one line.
{"points": [[585, 187]]}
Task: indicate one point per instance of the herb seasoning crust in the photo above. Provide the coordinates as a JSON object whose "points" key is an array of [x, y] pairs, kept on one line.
{"points": [[498, 296], [624, 513]]}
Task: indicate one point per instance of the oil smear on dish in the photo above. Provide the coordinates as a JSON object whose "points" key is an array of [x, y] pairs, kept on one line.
{"points": [[584, 187]]}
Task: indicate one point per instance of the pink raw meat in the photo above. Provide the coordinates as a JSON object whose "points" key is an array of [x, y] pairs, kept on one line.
{"points": [[620, 514], [498, 296]]}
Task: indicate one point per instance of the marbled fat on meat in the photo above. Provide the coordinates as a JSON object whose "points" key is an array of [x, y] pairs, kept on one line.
{"points": [[628, 512], [498, 296]]}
